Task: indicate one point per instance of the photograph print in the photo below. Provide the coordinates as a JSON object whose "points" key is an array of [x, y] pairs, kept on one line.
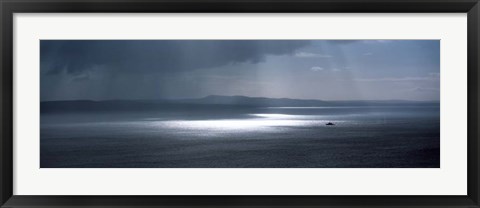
{"points": [[239, 104]]}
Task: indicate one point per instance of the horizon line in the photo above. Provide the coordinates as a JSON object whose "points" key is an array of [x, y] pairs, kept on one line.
{"points": [[190, 98]]}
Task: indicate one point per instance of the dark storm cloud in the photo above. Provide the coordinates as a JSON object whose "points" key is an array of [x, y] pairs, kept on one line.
{"points": [[306, 69], [76, 57]]}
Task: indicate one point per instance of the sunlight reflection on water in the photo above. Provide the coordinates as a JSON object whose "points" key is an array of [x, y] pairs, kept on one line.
{"points": [[261, 122], [186, 129], [286, 116]]}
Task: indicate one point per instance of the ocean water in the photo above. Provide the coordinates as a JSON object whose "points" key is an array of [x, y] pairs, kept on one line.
{"points": [[402, 136]]}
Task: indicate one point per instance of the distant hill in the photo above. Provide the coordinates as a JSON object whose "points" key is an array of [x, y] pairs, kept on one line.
{"points": [[208, 101], [287, 102], [253, 101]]}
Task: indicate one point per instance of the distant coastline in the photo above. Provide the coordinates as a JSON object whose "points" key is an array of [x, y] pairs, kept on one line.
{"points": [[212, 100]]}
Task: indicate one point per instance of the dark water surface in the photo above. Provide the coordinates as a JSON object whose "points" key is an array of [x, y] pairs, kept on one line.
{"points": [[244, 137]]}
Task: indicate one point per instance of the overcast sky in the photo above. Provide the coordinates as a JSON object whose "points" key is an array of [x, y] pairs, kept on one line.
{"points": [[317, 69]]}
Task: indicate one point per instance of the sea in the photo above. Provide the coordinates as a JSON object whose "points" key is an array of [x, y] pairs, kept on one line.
{"points": [[222, 136]]}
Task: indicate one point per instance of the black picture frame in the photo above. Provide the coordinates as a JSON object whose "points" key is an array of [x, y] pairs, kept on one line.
{"points": [[9, 7]]}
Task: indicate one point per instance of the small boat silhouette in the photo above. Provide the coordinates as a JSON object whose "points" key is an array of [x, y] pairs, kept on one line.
{"points": [[330, 124]]}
